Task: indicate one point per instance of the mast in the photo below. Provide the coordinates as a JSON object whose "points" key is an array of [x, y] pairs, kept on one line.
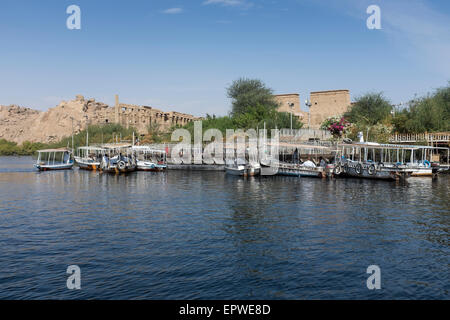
{"points": [[73, 150]]}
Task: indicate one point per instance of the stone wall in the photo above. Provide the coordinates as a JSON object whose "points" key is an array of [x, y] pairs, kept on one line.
{"points": [[325, 104], [142, 117], [290, 103]]}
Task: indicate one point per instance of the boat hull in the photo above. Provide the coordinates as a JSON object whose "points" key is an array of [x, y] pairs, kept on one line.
{"points": [[150, 167], [300, 172], [422, 173], [54, 167], [115, 170], [251, 172], [294, 170], [91, 166], [236, 171], [372, 171], [154, 169]]}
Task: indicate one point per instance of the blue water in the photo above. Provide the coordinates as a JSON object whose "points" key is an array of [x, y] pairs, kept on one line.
{"points": [[194, 235]]}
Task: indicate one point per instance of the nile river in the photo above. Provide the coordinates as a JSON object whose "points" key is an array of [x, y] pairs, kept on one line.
{"points": [[205, 235]]}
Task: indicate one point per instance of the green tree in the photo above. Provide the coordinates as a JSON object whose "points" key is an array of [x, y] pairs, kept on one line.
{"points": [[247, 93], [429, 113], [369, 109], [8, 148], [371, 115]]}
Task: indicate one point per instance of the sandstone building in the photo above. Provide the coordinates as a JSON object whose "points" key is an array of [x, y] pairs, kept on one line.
{"points": [[141, 117], [324, 104], [290, 103]]}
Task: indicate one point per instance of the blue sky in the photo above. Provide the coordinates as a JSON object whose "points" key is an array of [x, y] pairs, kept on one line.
{"points": [[181, 55]]}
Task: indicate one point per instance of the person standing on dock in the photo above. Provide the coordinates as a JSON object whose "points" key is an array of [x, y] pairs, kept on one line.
{"points": [[295, 156]]}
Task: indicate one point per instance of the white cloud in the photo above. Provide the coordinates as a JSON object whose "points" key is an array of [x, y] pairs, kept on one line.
{"points": [[173, 11], [228, 3]]}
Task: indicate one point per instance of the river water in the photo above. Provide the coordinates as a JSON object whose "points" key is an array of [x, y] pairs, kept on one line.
{"points": [[205, 235]]}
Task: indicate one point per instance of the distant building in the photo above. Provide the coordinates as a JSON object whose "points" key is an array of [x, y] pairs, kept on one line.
{"points": [[142, 117], [290, 103], [325, 104]]}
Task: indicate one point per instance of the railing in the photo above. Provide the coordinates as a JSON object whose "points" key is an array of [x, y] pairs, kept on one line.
{"points": [[419, 137], [304, 134]]}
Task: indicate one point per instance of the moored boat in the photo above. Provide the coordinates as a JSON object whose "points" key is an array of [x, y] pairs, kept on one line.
{"points": [[372, 161], [253, 169], [89, 158], [149, 159], [299, 170], [118, 158], [54, 159], [236, 168]]}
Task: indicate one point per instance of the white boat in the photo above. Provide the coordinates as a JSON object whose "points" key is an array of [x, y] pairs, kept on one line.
{"points": [[89, 158], [388, 161], [118, 158], [236, 171], [253, 169], [299, 170], [372, 161], [54, 159], [236, 168], [149, 159]]}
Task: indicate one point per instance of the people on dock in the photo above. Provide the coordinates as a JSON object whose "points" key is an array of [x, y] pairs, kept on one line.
{"points": [[295, 157], [322, 162]]}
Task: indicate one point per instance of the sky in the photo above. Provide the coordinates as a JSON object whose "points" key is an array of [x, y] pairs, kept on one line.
{"points": [[181, 55]]}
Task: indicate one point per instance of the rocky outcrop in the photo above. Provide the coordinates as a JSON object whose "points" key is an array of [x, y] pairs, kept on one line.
{"points": [[21, 124]]}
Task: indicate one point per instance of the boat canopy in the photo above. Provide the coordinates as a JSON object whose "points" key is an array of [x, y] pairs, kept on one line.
{"points": [[53, 150], [375, 145], [117, 146], [145, 149], [91, 148], [299, 146]]}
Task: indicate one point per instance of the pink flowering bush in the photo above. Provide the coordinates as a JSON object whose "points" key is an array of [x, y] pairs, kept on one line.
{"points": [[336, 125]]}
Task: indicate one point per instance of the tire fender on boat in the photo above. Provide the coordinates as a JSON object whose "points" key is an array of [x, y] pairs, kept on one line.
{"points": [[371, 169], [345, 168], [338, 169], [358, 168], [121, 165]]}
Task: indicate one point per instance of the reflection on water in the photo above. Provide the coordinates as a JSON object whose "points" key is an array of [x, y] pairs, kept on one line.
{"points": [[193, 235]]}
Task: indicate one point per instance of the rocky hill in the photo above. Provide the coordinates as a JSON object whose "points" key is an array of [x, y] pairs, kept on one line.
{"points": [[21, 124]]}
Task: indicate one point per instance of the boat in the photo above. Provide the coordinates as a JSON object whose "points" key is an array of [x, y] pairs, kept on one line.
{"points": [[118, 158], [301, 170], [54, 159], [425, 160], [237, 167], [372, 161], [295, 159], [149, 159], [253, 169], [89, 158], [378, 160]]}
